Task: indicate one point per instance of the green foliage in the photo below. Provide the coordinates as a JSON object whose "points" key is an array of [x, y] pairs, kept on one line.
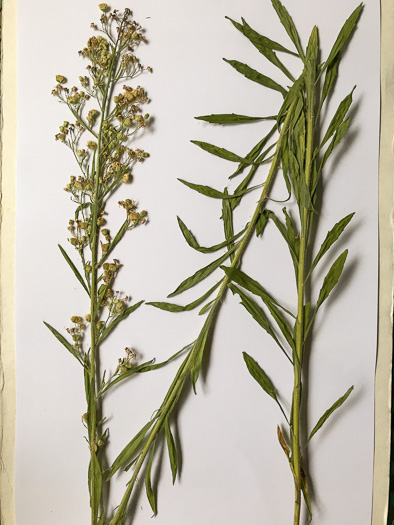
{"points": [[291, 145]]}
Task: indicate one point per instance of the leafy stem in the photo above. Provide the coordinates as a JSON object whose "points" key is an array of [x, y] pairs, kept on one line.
{"points": [[192, 363]]}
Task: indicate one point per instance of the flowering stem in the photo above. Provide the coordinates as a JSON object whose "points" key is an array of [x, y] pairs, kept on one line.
{"points": [[94, 468]]}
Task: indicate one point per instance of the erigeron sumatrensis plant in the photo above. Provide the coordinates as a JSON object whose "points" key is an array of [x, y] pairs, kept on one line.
{"points": [[99, 138], [298, 145]]}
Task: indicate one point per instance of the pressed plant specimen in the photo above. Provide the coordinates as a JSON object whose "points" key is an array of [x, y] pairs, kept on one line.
{"points": [[293, 146], [105, 123]]}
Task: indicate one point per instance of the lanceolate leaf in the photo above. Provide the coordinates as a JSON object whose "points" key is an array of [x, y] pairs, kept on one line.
{"points": [[220, 152], [260, 376], [231, 118], [331, 278], [255, 151], [255, 76], [253, 286], [191, 240], [264, 41], [334, 142], [82, 207], [328, 412], [338, 117], [118, 237], [120, 318], [227, 216], [258, 315], [74, 269], [259, 42], [170, 307], [129, 450], [171, 449], [205, 190], [65, 343], [261, 224], [148, 484], [288, 24], [344, 35], [329, 81], [198, 352], [215, 194], [331, 237], [201, 274]]}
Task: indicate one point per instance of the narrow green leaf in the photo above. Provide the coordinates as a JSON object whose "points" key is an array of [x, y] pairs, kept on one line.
{"points": [[293, 93], [258, 315], [255, 76], [192, 242], [289, 26], [285, 231], [264, 41], [334, 142], [220, 152], [260, 43], [331, 278], [260, 376], [148, 484], [329, 82], [120, 318], [198, 353], [331, 237], [344, 34], [129, 450], [65, 343], [253, 286], [243, 187], [170, 307], [118, 237], [206, 190], [74, 269], [231, 118], [81, 207], [201, 274], [227, 216], [206, 307], [171, 449], [328, 412], [337, 119], [254, 152], [261, 224]]}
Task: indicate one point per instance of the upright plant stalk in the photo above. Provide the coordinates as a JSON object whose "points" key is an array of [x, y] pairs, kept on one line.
{"points": [[105, 163], [302, 162]]}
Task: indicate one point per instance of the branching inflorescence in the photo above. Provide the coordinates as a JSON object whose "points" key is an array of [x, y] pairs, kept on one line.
{"points": [[291, 146], [99, 138]]}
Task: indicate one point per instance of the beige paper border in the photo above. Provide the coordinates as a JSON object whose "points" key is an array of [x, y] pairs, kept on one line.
{"points": [[385, 329], [7, 247], [7, 250]]}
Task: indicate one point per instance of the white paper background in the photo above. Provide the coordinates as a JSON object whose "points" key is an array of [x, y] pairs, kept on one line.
{"points": [[233, 470]]}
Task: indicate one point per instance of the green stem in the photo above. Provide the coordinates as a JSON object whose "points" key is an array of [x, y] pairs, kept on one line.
{"points": [[298, 354], [177, 385], [95, 498]]}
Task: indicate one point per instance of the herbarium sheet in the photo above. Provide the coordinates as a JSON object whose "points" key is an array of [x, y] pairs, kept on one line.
{"points": [[230, 467]]}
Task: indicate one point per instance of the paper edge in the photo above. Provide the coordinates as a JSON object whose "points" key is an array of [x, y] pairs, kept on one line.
{"points": [[381, 481], [7, 259]]}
